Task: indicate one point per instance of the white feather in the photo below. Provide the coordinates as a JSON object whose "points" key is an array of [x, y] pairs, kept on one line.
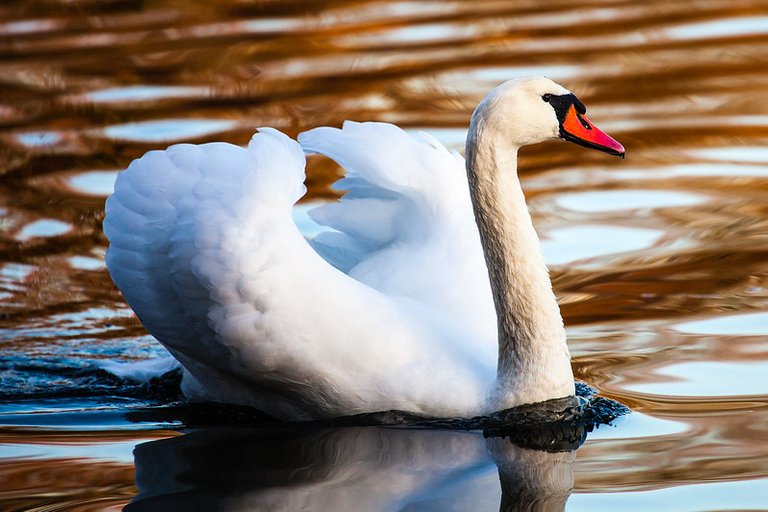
{"points": [[391, 308], [204, 248]]}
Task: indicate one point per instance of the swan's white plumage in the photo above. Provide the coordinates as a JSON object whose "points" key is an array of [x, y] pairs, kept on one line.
{"points": [[425, 272], [408, 214], [204, 248]]}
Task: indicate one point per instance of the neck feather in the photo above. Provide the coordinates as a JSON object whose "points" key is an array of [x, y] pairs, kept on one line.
{"points": [[533, 363]]}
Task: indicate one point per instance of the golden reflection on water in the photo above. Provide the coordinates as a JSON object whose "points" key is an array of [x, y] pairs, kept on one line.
{"points": [[675, 234]]}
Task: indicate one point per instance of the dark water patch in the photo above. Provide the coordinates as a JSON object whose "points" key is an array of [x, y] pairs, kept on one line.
{"points": [[84, 399], [76, 413], [554, 425], [584, 409], [51, 378]]}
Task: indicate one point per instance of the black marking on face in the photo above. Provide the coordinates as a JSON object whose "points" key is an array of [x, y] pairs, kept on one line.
{"points": [[563, 103]]}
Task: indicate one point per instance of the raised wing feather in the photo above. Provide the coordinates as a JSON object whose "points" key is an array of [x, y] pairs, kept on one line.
{"points": [[405, 225], [204, 248]]}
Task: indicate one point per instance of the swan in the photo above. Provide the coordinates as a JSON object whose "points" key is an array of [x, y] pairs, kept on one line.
{"points": [[428, 292]]}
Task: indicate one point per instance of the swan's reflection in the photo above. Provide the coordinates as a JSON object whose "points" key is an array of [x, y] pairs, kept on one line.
{"points": [[352, 468]]}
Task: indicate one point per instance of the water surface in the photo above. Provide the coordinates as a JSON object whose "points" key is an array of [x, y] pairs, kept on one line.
{"points": [[659, 261]]}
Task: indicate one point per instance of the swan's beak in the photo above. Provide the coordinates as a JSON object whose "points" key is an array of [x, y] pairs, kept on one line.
{"points": [[575, 127]]}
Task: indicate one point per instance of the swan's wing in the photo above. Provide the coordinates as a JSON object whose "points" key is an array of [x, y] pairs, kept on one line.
{"points": [[167, 254], [204, 249], [405, 225]]}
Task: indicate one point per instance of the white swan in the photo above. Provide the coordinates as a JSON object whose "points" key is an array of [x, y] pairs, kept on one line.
{"points": [[392, 308]]}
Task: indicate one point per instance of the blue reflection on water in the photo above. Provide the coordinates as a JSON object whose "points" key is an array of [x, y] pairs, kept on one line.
{"points": [[755, 154], [742, 495], [598, 201], [580, 242], [37, 139], [86, 263], [118, 451], [97, 183], [741, 26], [744, 324], [142, 93], [708, 378], [636, 426], [43, 228], [168, 129]]}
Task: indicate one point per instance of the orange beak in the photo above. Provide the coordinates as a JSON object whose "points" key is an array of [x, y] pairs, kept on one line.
{"points": [[576, 128]]}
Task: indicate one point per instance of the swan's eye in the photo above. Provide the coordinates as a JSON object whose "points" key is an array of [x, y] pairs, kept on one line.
{"points": [[547, 97]]}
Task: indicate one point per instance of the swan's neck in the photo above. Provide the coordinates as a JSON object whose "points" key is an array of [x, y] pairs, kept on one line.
{"points": [[534, 363]]}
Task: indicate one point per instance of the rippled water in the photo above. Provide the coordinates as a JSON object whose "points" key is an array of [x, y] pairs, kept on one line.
{"points": [[659, 261]]}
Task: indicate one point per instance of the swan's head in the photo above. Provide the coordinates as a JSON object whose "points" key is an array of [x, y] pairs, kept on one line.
{"points": [[530, 110]]}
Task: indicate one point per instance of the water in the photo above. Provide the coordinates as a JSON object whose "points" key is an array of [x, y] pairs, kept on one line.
{"points": [[659, 261]]}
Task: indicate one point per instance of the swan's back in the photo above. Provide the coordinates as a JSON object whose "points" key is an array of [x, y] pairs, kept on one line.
{"points": [[204, 249]]}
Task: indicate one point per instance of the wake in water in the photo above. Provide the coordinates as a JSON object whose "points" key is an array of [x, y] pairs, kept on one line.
{"points": [[28, 378]]}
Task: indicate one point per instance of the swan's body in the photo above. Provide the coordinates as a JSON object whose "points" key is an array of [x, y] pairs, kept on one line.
{"points": [[392, 309]]}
